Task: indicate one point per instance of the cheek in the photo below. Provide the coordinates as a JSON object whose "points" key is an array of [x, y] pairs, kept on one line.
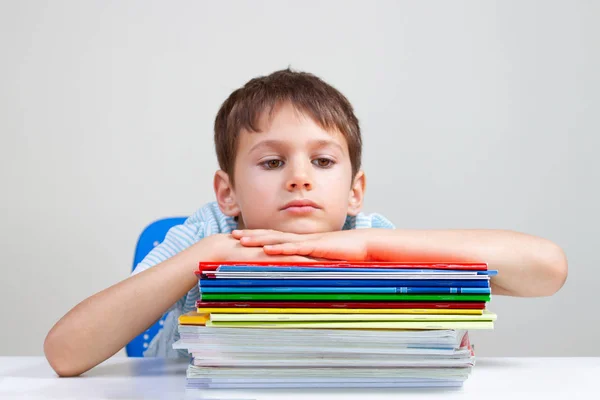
{"points": [[252, 186], [263, 190], [339, 199], [339, 180], [338, 189]]}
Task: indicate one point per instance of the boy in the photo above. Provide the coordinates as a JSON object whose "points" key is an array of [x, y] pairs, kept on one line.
{"points": [[289, 188]]}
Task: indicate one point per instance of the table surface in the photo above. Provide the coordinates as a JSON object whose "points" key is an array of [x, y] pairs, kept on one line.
{"points": [[156, 378]]}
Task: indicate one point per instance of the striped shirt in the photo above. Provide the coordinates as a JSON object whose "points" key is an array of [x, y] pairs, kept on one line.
{"points": [[208, 220]]}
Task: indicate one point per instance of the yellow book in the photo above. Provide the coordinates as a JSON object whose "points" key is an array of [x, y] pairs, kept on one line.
{"points": [[369, 320], [193, 318], [243, 310]]}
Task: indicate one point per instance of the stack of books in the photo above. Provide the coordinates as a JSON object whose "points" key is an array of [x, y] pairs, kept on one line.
{"points": [[335, 324]]}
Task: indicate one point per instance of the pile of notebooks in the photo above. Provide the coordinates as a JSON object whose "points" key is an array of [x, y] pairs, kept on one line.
{"points": [[334, 324]]}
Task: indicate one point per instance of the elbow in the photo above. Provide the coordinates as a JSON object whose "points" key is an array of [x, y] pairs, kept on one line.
{"points": [[555, 268], [58, 356]]}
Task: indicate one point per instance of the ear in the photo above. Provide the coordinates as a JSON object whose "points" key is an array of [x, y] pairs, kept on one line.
{"points": [[357, 193], [225, 194]]}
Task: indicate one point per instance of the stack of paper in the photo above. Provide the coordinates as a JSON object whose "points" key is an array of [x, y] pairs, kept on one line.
{"points": [[335, 324]]}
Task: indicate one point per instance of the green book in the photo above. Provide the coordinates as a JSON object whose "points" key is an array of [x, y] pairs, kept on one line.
{"points": [[341, 297]]}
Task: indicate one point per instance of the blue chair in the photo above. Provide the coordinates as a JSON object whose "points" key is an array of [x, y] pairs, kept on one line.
{"points": [[151, 237]]}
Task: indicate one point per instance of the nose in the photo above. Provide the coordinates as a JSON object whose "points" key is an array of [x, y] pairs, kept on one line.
{"points": [[300, 178]]}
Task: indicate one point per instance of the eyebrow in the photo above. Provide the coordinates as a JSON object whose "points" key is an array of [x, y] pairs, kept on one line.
{"points": [[281, 143]]}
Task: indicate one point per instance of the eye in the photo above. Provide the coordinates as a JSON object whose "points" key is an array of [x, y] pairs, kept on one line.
{"points": [[272, 164], [323, 162]]}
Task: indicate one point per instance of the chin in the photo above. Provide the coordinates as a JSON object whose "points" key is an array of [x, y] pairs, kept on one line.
{"points": [[304, 226]]}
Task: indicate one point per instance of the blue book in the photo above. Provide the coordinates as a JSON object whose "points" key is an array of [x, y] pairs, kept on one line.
{"points": [[207, 282], [325, 289]]}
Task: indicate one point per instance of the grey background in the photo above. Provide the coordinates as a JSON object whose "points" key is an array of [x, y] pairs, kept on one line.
{"points": [[476, 114]]}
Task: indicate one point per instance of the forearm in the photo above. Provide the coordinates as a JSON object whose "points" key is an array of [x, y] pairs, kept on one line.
{"points": [[527, 265], [102, 324]]}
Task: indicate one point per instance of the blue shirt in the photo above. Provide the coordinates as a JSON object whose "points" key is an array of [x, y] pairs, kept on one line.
{"points": [[208, 220]]}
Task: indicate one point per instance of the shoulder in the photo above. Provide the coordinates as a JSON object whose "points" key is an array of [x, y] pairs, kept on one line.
{"points": [[211, 220], [363, 221], [206, 221]]}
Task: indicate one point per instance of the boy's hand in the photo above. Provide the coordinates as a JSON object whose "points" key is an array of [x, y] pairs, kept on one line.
{"points": [[224, 247], [349, 245], [263, 237]]}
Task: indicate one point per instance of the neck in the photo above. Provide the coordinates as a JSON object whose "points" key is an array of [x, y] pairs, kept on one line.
{"points": [[240, 222]]}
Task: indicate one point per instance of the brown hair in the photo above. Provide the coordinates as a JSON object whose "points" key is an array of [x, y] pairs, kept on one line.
{"points": [[306, 92]]}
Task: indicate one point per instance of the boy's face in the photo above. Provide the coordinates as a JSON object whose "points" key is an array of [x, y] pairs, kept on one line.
{"points": [[291, 177]]}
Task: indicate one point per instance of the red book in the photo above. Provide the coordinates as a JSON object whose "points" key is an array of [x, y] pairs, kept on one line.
{"points": [[474, 305], [212, 266]]}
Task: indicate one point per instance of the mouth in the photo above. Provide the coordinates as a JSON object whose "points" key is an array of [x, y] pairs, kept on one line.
{"points": [[301, 206]]}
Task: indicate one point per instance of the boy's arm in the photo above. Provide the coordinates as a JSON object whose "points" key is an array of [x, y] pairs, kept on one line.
{"points": [[527, 265], [104, 323]]}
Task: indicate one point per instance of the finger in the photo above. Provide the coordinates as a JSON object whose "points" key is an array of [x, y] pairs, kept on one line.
{"points": [[308, 249], [238, 233], [282, 251], [304, 249], [249, 241], [298, 259], [253, 241], [285, 258]]}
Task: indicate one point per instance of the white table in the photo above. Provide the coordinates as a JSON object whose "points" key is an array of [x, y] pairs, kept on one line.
{"points": [[131, 378]]}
